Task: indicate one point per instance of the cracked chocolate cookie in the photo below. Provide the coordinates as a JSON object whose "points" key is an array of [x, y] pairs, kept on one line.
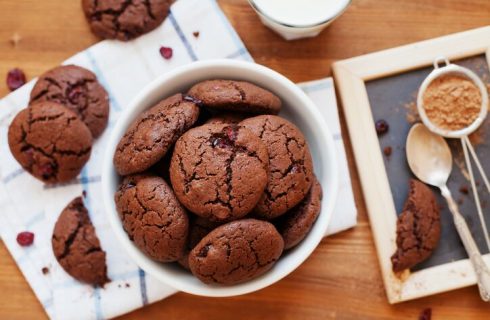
{"points": [[198, 229], [153, 133], [295, 224], [219, 171], [124, 19], [78, 89], [50, 142], [152, 217], [236, 96], [418, 227], [76, 246], [290, 164], [236, 252]]}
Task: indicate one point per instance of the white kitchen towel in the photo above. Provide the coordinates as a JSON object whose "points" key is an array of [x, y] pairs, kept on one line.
{"points": [[123, 69]]}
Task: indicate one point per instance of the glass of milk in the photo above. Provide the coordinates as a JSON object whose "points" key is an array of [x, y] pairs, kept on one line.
{"points": [[295, 19]]}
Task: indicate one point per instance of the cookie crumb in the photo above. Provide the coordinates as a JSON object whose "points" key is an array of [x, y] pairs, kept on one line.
{"points": [[84, 193], [127, 285], [25, 238], [166, 52], [464, 190], [45, 270], [15, 79], [196, 34], [387, 151], [381, 127], [426, 314], [15, 40]]}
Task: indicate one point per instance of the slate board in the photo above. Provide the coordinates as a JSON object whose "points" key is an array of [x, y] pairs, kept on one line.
{"points": [[393, 99]]}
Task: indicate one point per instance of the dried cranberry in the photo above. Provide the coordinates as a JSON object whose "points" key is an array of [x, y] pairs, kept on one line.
{"points": [[221, 143], [196, 34], [25, 238], [166, 52], [74, 94], [231, 133], [295, 168], [426, 314], [387, 151], [382, 127], [46, 170], [15, 79]]}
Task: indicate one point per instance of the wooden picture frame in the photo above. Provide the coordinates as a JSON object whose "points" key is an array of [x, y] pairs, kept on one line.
{"points": [[351, 76]]}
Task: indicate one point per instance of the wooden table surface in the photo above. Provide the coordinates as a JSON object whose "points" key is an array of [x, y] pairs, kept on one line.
{"points": [[342, 278]]}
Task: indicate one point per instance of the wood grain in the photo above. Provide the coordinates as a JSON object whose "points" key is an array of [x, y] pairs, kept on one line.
{"points": [[342, 278]]}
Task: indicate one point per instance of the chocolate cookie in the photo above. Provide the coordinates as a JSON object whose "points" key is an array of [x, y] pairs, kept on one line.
{"points": [[124, 19], [76, 246], [418, 228], [78, 89], [50, 142], [153, 133], [236, 252], [198, 229], [219, 171], [236, 96], [228, 118], [290, 164], [295, 224], [152, 217]]}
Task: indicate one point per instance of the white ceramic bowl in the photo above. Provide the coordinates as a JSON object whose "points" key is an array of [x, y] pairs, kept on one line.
{"points": [[297, 107]]}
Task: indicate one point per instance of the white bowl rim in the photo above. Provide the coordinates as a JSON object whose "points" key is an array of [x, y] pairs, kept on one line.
{"points": [[314, 237]]}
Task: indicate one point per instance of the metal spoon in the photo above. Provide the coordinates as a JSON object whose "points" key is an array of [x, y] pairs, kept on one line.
{"points": [[431, 161]]}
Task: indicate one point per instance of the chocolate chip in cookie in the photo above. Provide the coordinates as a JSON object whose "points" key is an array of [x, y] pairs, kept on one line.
{"points": [[418, 227], [50, 142], [153, 133], [236, 252], [124, 19], [235, 96], [219, 171], [152, 217], [295, 224], [76, 246], [290, 164]]}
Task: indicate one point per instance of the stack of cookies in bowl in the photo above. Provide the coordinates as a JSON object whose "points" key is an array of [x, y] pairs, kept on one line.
{"points": [[214, 180]]}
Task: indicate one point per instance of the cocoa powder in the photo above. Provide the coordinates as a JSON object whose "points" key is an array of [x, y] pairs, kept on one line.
{"points": [[452, 102]]}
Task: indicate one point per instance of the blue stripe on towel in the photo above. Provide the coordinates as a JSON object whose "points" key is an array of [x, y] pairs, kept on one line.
{"points": [[234, 36], [144, 295], [12, 175], [102, 80], [98, 307], [182, 36]]}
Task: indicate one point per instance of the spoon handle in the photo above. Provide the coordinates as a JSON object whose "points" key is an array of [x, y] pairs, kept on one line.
{"points": [[481, 270]]}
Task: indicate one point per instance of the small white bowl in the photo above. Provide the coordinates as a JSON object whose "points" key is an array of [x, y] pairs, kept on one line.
{"points": [[297, 107]]}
